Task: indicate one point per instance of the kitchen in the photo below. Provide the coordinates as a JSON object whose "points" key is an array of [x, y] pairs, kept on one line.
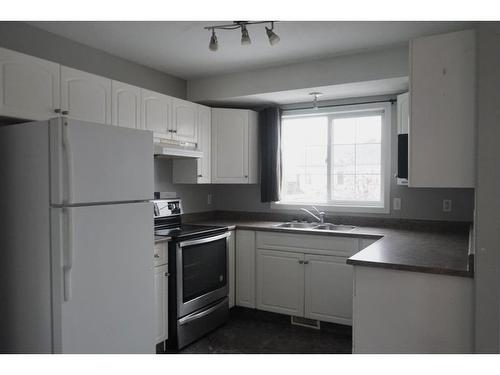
{"points": [[339, 200]]}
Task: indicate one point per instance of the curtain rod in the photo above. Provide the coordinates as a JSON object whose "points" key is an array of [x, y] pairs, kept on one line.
{"points": [[392, 101]]}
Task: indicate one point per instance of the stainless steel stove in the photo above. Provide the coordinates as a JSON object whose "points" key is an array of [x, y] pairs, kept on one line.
{"points": [[198, 262]]}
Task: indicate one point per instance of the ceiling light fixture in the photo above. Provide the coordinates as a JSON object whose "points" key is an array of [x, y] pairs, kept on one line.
{"points": [[273, 37], [245, 36], [316, 95], [213, 45]]}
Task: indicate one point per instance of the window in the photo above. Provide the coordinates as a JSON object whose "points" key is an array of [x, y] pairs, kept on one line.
{"points": [[337, 157]]}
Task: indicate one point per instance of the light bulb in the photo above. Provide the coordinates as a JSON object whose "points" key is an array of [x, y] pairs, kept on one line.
{"points": [[245, 38], [273, 37], [213, 45]]}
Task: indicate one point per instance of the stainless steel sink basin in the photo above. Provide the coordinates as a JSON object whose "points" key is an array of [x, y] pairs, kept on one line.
{"points": [[325, 226], [297, 225], [335, 227]]}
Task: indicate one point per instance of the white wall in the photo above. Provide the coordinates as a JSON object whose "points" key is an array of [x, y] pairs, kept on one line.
{"points": [[360, 67], [487, 223]]}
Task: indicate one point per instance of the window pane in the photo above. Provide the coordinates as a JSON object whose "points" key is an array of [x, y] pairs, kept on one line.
{"points": [[304, 151], [356, 159], [369, 129], [368, 158]]}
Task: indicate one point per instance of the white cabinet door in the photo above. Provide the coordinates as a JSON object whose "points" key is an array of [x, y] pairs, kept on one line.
{"points": [[156, 113], [126, 105], [229, 146], [231, 267], [328, 289], [85, 96], [29, 87], [204, 170], [197, 171], [185, 121], [245, 268], [161, 303], [280, 282], [442, 111]]}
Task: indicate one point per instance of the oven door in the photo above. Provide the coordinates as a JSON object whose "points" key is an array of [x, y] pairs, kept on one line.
{"points": [[202, 272]]}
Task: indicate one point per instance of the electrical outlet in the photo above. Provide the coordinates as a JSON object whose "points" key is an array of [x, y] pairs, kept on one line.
{"points": [[396, 204], [209, 199], [446, 205]]}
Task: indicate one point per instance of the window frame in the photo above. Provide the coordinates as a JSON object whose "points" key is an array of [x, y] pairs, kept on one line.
{"points": [[385, 179]]}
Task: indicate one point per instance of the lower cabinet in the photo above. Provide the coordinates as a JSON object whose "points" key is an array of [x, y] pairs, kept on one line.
{"points": [[328, 289], [245, 268], [280, 282], [161, 302]]}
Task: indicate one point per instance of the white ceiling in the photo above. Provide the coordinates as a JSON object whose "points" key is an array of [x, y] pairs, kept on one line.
{"points": [[181, 48]]}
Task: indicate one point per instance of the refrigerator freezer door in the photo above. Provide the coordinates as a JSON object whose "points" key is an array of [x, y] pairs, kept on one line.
{"points": [[93, 163], [107, 263]]}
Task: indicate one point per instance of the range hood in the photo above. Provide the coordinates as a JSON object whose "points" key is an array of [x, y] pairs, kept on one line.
{"points": [[172, 151]]}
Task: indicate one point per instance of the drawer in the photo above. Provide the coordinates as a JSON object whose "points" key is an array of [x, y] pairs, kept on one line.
{"points": [[160, 253], [312, 244]]}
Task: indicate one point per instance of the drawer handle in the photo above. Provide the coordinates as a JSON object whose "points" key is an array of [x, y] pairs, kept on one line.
{"points": [[306, 262], [167, 274], [65, 113], [301, 262], [157, 255]]}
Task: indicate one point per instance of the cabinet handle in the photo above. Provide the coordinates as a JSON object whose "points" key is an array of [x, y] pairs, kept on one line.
{"points": [[170, 130], [301, 262], [200, 175], [174, 131], [246, 176], [57, 110], [65, 113], [306, 262], [157, 255], [167, 274]]}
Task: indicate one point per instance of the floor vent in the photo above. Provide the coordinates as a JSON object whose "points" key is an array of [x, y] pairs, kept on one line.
{"points": [[304, 322]]}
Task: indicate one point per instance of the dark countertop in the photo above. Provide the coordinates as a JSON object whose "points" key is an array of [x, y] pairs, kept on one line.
{"points": [[414, 249]]}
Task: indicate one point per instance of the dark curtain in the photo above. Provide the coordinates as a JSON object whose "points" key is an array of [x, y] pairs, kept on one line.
{"points": [[270, 154]]}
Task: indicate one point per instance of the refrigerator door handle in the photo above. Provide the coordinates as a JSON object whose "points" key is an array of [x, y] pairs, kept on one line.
{"points": [[69, 161], [69, 254]]}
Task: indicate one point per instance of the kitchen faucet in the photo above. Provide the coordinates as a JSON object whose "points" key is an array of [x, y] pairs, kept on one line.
{"points": [[320, 218]]}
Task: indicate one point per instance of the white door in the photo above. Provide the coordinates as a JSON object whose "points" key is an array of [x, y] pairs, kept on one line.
{"points": [[85, 96], [126, 105], [229, 146], [280, 282], [105, 291], [245, 268], [185, 121], [161, 303], [204, 174], [29, 87], [94, 163], [156, 113], [328, 289]]}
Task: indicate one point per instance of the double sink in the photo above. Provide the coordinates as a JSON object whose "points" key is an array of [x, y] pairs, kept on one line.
{"points": [[317, 226]]}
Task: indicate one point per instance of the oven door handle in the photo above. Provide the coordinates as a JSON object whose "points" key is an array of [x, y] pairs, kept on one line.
{"points": [[204, 240], [201, 314]]}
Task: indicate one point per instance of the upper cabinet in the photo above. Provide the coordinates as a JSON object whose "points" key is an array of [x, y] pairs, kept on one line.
{"points": [[234, 146], [126, 105], [156, 112], [442, 111], [184, 121], [29, 87], [197, 171], [85, 96]]}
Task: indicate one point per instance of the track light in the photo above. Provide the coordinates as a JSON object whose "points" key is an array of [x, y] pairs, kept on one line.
{"points": [[213, 45], [273, 37], [245, 38]]}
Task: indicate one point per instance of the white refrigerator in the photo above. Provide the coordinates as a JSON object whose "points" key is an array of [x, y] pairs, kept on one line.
{"points": [[76, 238]]}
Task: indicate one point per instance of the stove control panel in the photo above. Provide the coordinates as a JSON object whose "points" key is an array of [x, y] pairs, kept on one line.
{"points": [[167, 207]]}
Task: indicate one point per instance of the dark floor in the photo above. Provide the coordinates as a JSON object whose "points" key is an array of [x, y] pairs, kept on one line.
{"points": [[250, 331]]}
